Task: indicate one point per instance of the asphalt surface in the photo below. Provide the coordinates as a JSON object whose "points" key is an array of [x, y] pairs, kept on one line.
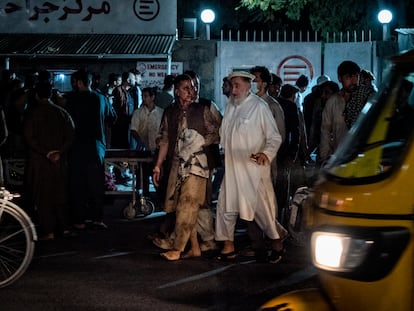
{"points": [[120, 269]]}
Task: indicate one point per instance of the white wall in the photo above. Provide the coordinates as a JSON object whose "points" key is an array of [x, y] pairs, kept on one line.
{"points": [[89, 16], [290, 59], [287, 59], [359, 52]]}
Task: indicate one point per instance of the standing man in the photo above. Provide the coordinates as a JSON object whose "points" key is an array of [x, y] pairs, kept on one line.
{"points": [[49, 132], [145, 124], [146, 120], [263, 80], [288, 164], [226, 87], [186, 129], [135, 89], [166, 96], [136, 94], [87, 155], [359, 97], [275, 86], [333, 127], [124, 105], [108, 113], [302, 84], [250, 139], [205, 222]]}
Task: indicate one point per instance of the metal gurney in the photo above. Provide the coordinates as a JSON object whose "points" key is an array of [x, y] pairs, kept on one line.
{"points": [[139, 204]]}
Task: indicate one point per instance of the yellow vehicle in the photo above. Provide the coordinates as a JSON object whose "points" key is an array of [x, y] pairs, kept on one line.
{"points": [[361, 214]]}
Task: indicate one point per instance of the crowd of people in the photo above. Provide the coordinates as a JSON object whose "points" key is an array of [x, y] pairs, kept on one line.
{"points": [[63, 138], [262, 142]]}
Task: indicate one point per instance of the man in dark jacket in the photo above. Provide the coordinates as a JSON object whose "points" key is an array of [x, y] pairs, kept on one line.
{"points": [[88, 153], [49, 132]]}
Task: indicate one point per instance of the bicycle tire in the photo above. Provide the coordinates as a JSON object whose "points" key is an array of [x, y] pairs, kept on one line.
{"points": [[17, 242]]}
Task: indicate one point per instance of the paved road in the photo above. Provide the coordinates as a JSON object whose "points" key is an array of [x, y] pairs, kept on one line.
{"points": [[120, 269]]}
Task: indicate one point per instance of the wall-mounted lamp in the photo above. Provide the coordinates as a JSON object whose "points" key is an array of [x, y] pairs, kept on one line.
{"points": [[207, 17], [385, 17]]}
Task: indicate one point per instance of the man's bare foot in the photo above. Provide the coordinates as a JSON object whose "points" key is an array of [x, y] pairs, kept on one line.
{"points": [[171, 255], [191, 254]]}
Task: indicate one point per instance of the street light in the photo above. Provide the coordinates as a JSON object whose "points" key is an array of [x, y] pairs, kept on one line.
{"points": [[385, 17], [207, 17]]}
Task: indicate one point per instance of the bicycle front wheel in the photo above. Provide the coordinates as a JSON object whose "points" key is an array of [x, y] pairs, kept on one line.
{"points": [[16, 243]]}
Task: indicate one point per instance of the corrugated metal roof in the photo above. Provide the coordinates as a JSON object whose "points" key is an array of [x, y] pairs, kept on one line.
{"points": [[86, 45]]}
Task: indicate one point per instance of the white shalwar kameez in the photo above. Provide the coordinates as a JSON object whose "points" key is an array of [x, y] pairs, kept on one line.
{"points": [[246, 190]]}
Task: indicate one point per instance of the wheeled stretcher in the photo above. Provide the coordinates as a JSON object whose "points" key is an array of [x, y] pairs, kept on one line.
{"points": [[139, 204]]}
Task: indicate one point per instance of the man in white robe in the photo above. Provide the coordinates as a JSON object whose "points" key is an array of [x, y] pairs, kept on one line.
{"points": [[250, 139]]}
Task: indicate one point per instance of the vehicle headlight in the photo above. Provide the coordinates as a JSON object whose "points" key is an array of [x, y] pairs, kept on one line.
{"points": [[338, 252], [360, 253]]}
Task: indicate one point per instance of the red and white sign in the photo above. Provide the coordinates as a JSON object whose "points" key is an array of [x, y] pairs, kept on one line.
{"points": [[291, 67]]}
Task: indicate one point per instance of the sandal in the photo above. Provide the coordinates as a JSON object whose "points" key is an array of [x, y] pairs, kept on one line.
{"points": [[226, 256], [247, 252], [276, 256]]}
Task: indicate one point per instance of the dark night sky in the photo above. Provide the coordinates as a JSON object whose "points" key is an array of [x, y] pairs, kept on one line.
{"points": [[228, 17]]}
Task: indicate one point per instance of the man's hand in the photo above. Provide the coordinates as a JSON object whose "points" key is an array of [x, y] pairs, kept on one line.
{"points": [[156, 173], [53, 156], [260, 158]]}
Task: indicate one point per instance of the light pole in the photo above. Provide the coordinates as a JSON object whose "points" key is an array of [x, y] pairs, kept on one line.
{"points": [[385, 17], [207, 17]]}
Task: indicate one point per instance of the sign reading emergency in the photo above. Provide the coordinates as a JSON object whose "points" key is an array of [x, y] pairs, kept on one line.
{"points": [[153, 73], [89, 16]]}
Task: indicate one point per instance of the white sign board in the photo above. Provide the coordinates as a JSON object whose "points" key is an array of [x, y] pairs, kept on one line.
{"points": [[89, 16], [155, 72]]}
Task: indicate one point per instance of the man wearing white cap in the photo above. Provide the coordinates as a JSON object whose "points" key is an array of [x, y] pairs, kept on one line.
{"points": [[250, 139]]}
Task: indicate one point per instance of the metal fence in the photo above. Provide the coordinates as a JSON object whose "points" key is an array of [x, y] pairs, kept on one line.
{"points": [[294, 36]]}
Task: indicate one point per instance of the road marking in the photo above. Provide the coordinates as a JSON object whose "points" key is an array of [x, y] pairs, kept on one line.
{"points": [[117, 254], [202, 275]]}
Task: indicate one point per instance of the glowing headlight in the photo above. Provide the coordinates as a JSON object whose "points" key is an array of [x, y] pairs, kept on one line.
{"points": [[358, 253], [338, 252]]}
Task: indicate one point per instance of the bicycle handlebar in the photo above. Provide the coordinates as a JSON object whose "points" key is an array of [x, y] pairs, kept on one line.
{"points": [[7, 195]]}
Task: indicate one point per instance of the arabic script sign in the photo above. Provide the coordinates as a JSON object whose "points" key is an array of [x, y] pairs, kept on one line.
{"points": [[89, 16]]}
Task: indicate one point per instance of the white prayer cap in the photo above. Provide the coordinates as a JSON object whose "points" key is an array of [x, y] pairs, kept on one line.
{"points": [[243, 74], [321, 79]]}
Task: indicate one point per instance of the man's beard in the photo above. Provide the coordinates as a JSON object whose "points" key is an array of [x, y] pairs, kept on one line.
{"points": [[237, 101]]}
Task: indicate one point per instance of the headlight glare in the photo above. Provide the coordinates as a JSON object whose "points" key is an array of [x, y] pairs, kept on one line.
{"points": [[338, 252]]}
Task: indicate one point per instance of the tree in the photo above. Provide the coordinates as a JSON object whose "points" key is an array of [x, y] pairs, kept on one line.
{"points": [[322, 15], [269, 7]]}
